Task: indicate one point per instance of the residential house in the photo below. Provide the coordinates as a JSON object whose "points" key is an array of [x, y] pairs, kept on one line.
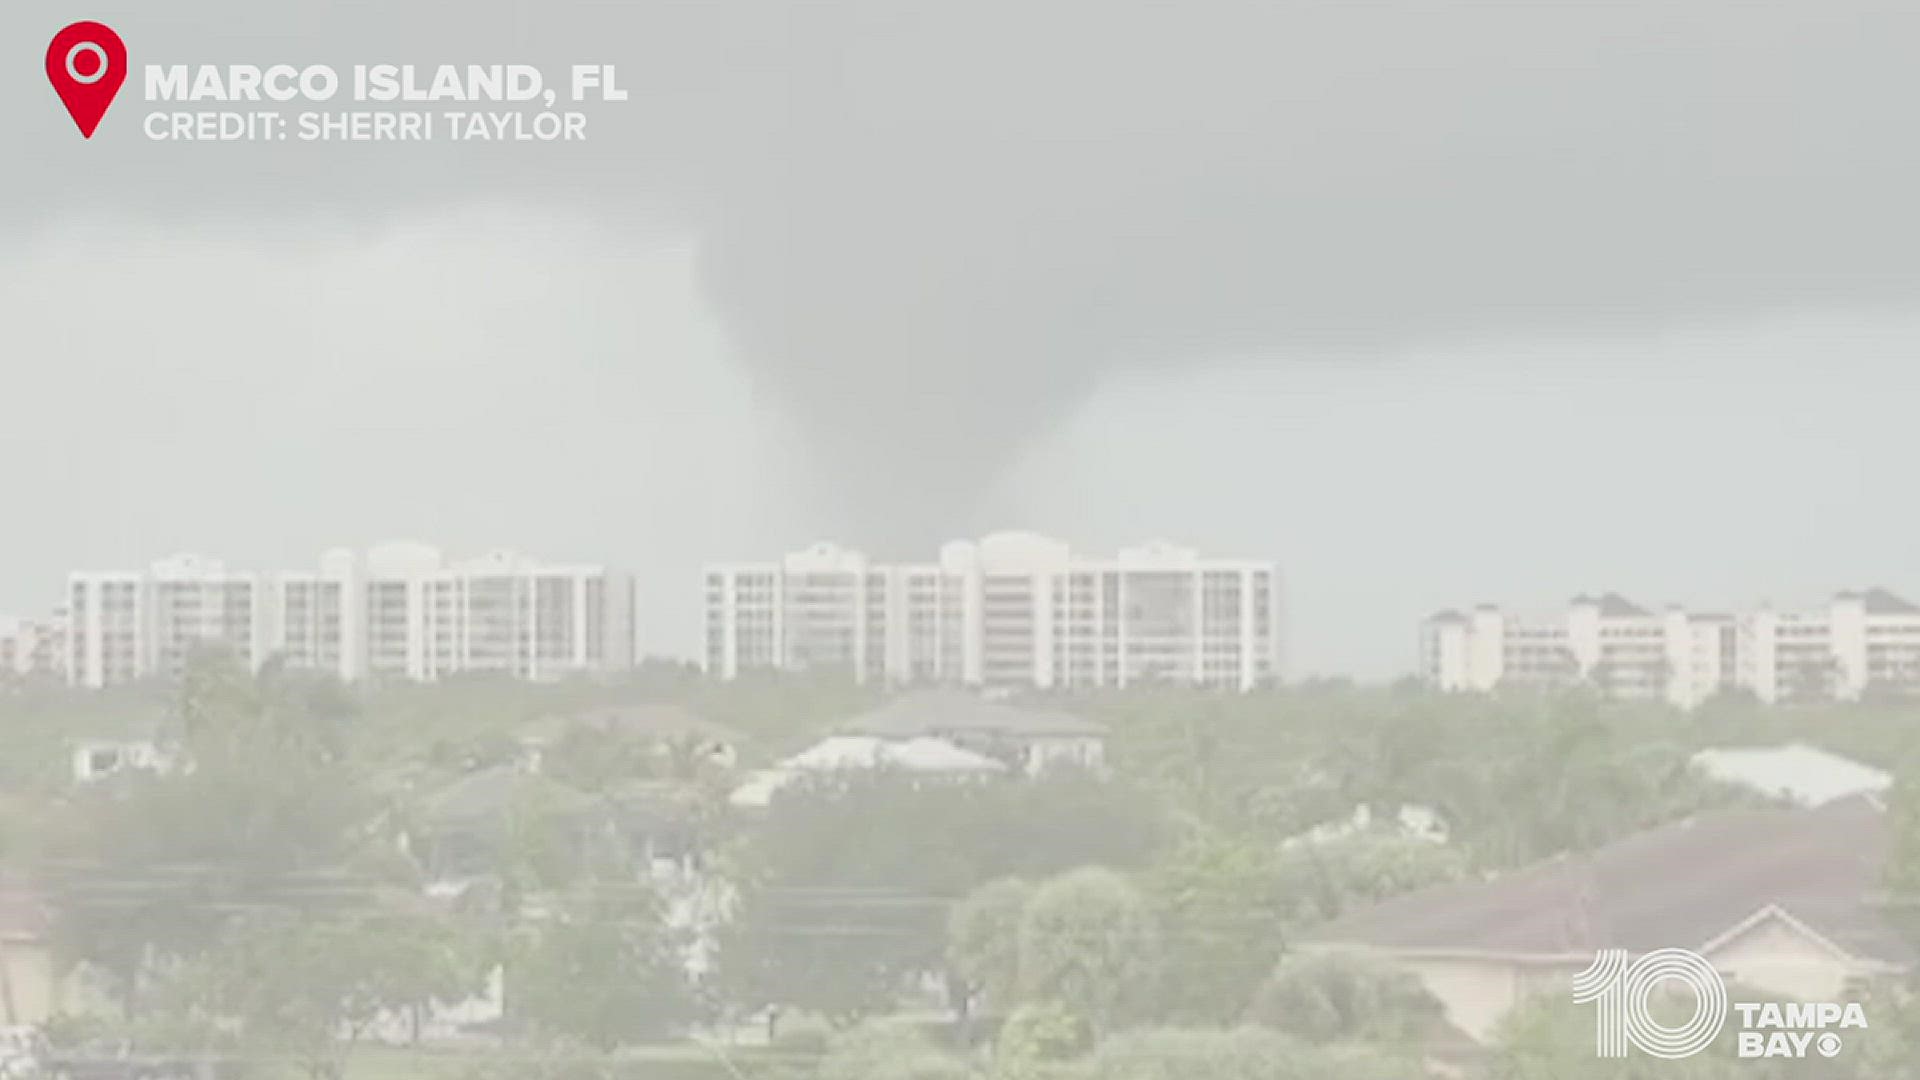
{"points": [[1793, 772], [923, 756], [1781, 900], [1029, 740]]}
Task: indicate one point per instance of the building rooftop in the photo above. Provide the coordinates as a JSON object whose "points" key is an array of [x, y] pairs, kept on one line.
{"points": [[1801, 774], [488, 795], [1682, 885], [1613, 606], [923, 755], [1879, 601]]}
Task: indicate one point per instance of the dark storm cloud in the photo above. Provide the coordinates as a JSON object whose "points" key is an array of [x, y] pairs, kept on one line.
{"points": [[933, 228]]}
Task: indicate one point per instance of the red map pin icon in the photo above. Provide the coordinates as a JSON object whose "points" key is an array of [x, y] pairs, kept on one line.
{"points": [[86, 63]]}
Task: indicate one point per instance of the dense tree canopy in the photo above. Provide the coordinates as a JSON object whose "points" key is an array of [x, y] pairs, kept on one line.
{"points": [[294, 887]]}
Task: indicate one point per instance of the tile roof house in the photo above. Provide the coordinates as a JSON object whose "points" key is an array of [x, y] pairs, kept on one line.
{"points": [[1783, 900], [672, 730]]}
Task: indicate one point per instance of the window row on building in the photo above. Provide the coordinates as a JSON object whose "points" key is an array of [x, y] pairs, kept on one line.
{"points": [[398, 611], [1010, 611], [1862, 644]]}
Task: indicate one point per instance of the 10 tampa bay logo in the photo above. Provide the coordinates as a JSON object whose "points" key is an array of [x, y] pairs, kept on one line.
{"points": [[1624, 991]]}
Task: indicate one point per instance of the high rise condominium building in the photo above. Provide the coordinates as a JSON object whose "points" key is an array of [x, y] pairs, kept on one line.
{"points": [[1863, 643], [128, 625], [397, 611], [1010, 611]]}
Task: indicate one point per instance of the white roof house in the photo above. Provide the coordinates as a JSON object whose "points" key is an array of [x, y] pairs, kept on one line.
{"points": [[836, 753], [1802, 774]]}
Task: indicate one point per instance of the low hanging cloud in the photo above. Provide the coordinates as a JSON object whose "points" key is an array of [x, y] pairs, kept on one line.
{"points": [[930, 231]]}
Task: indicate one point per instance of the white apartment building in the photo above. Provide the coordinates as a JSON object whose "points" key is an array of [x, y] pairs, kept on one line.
{"points": [[33, 647], [1863, 643], [1013, 610], [397, 611], [128, 625]]}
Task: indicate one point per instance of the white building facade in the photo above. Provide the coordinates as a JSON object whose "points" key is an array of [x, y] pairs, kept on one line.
{"points": [[1010, 611], [394, 612], [1862, 644], [33, 648]]}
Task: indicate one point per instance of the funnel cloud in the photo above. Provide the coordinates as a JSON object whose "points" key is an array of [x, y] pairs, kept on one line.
{"points": [[926, 239]]}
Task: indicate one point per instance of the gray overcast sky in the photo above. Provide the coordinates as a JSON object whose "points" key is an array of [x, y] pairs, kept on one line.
{"points": [[1433, 303]]}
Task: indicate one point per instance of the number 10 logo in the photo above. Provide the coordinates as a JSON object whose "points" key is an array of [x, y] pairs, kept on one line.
{"points": [[1624, 992]]}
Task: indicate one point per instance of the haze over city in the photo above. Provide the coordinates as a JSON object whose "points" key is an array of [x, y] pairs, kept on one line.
{"points": [[1042, 540]]}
